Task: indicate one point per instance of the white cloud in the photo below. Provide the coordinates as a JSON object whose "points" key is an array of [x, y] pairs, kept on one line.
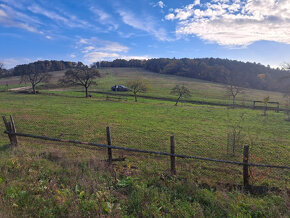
{"points": [[26, 14], [105, 18], [65, 19], [145, 57], [95, 49], [159, 4], [170, 16], [101, 45], [98, 50], [146, 24], [99, 56], [12, 62], [235, 22], [10, 17]]}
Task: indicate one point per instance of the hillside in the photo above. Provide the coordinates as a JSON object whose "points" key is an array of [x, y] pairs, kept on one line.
{"points": [[245, 74], [160, 86]]}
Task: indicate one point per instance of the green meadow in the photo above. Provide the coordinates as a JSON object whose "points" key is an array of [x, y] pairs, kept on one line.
{"points": [[48, 179]]}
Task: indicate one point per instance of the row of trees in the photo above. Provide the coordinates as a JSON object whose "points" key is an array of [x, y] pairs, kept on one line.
{"points": [[82, 75], [42, 67], [252, 75]]}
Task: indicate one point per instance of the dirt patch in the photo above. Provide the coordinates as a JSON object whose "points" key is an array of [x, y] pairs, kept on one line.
{"points": [[20, 89]]}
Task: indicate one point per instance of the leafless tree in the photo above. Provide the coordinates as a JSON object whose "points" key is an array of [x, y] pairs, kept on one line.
{"points": [[233, 88], [81, 75], [180, 91], [34, 77], [265, 101], [137, 86], [235, 133]]}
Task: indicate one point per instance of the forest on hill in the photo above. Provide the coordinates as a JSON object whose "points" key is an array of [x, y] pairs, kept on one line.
{"points": [[43, 66], [245, 74], [38, 66]]}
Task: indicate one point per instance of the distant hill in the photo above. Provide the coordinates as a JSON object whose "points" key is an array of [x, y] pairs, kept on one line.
{"points": [[246, 74], [42, 66]]}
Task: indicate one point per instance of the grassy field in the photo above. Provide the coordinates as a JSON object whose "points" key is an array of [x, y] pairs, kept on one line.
{"points": [[59, 180], [161, 84]]}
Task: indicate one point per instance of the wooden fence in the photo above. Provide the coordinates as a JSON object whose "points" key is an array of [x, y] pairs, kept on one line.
{"points": [[12, 134], [266, 107]]}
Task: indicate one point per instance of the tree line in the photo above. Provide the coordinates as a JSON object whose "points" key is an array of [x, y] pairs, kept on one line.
{"points": [[38, 66], [245, 74]]}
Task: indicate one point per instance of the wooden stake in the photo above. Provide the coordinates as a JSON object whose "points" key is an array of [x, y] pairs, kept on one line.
{"points": [[172, 158], [8, 129], [109, 141], [246, 167], [13, 130]]}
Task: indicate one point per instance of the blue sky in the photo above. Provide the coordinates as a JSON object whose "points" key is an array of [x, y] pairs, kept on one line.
{"points": [[94, 30]]}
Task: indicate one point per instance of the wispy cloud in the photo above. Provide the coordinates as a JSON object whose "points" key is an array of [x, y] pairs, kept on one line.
{"points": [[30, 16], [95, 49], [160, 4], [12, 62], [101, 45], [104, 18], [146, 24], [64, 19], [235, 22], [10, 17]]}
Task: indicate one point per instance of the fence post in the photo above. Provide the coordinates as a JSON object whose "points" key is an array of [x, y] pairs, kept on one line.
{"points": [[246, 167], [172, 158], [13, 129], [109, 141], [10, 127]]}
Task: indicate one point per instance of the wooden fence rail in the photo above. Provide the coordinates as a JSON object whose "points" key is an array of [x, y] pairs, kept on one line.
{"points": [[12, 134]]}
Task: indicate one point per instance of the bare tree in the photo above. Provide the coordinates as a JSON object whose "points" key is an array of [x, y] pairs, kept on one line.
{"points": [[180, 91], [233, 88], [81, 75], [265, 101], [137, 86], [34, 77], [235, 134]]}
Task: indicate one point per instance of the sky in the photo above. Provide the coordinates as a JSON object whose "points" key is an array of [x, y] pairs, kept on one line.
{"points": [[94, 30]]}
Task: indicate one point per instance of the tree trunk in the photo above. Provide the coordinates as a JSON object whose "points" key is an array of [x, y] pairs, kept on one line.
{"points": [[177, 100], [265, 110], [87, 93], [33, 89], [234, 100], [135, 95]]}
